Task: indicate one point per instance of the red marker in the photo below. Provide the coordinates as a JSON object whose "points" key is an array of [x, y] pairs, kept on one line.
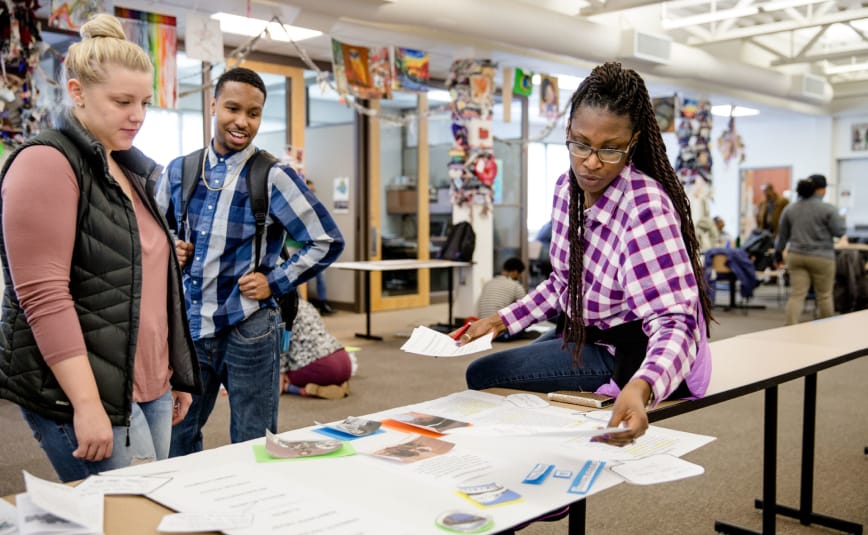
{"points": [[461, 331]]}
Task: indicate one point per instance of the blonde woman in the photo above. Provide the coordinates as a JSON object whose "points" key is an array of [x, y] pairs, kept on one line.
{"points": [[94, 346]]}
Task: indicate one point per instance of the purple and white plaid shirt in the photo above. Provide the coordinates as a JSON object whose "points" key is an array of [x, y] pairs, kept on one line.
{"points": [[636, 267]]}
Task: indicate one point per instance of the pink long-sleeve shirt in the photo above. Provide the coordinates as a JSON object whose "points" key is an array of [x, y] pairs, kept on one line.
{"points": [[40, 199]]}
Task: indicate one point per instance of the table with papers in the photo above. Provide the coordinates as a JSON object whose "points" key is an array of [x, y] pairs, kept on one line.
{"points": [[543, 459]]}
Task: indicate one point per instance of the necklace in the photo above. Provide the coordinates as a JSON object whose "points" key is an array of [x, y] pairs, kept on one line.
{"points": [[226, 183]]}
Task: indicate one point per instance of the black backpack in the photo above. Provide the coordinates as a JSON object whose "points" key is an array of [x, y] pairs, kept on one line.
{"points": [[256, 169], [460, 243]]}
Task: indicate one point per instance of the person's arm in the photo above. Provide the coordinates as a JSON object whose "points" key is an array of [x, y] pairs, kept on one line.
{"points": [[837, 224], [783, 235], [308, 222], [662, 291], [39, 251], [167, 203]]}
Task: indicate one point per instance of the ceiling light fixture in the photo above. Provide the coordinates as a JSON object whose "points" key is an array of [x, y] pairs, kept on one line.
{"points": [[705, 18], [250, 27], [726, 110]]}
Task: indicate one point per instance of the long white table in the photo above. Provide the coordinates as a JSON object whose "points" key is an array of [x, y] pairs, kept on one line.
{"points": [[367, 266]]}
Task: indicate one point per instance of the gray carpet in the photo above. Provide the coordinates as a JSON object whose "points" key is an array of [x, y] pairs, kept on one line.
{"points": [[388, 377]]}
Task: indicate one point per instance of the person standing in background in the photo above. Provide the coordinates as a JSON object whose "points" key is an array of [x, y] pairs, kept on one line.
{"points": [[234, 318], [807, 230], [95, 347], [768, 213]]}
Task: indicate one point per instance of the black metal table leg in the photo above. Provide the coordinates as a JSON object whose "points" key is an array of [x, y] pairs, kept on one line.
{"points": [[577, 518], [368, 335]]}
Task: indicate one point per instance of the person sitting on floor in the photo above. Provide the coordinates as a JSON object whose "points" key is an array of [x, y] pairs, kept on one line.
{"points": [[317, 364], [502, 291]]}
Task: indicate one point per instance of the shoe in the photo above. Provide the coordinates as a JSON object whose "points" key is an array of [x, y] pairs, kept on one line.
{"points": [[328, 391], [325, 309]]}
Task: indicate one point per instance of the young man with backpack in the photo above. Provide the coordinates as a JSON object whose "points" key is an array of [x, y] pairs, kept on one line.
{"points": [[233, 273]]}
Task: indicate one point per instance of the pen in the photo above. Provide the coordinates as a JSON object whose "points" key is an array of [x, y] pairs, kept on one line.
{"points": [[461, 331]]}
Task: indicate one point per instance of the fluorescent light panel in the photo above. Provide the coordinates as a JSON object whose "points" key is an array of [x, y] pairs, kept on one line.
{"points": [[239, 25], [726, 110]]}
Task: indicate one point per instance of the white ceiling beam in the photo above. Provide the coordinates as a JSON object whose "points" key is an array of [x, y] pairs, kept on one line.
{"points": [[829, 56], [811, 42], [785, 26], [611, 6], [766, 47], [726, 25]]}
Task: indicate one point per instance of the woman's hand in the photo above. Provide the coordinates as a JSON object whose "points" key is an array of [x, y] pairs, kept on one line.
{"points": [[491, 324], [182, 402], [629, 409], [93, 432], [183, 250]]}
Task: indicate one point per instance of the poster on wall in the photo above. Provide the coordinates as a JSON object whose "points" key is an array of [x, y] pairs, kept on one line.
{"points": [[549, 97], [203, 39], [859, 135], [71, 15], [410, 69], [341, 195], [157, 35]]}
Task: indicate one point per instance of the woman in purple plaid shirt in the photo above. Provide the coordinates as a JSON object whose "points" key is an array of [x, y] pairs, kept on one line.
{"points": [[635, 316]]}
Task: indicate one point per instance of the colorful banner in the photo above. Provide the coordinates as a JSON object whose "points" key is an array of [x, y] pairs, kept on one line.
{"points": [[522, 83], [158, 35], [410, 69]]}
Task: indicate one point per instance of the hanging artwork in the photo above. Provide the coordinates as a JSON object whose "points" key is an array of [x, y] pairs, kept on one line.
{"points": [[664, 112], [410, 69], [730, 143], [157, 35], [203, 39], [362, 72], [693, 164], [548, 97], [472, 167], [20, 117], [71, 15]]}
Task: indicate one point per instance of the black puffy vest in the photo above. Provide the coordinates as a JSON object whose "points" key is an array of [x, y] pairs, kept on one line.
{"points": [[105, 283]]}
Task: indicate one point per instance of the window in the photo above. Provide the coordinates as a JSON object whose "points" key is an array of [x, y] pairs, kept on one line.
{"points": [[546, 162]]}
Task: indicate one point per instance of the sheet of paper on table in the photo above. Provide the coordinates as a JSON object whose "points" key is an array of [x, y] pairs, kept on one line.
{"points": [[431, 343]]}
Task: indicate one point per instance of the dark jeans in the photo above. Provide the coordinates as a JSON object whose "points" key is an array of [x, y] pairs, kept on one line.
{"points": [[245, 359]]}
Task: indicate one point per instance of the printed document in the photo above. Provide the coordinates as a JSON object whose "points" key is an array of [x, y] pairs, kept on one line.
{"points": [[431, 343]]}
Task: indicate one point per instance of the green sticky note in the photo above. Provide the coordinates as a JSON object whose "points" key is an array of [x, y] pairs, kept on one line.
{"points": [[262, 455], [522, 83]]}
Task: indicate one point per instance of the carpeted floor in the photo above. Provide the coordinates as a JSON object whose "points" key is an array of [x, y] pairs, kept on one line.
{"points": [[388, 377]]}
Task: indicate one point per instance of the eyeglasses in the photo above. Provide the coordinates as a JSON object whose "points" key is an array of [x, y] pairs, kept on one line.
{"points": [[580, 150]]}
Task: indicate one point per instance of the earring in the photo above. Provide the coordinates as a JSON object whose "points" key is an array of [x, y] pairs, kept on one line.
{"points": [[80, 104]]}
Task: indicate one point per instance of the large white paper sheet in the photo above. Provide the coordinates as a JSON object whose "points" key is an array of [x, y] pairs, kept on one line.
{"points": [[65, 502], [8, 518], [431, 343], [657, 469]]}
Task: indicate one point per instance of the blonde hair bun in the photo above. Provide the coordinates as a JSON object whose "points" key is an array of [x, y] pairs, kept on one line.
{"points": [[102, 25]]}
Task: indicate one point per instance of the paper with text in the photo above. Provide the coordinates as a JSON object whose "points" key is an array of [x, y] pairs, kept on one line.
{"points": [[128, 485], [657, 469], [8, 522], [65, 502], [428, 342]]}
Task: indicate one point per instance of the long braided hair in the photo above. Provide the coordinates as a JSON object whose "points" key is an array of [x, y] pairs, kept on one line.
{"points": [[623, 92]]}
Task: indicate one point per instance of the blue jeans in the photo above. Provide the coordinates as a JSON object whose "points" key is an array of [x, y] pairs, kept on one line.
{"points": [[321, 289], [245, 359], [542, 366], [149, 436]]}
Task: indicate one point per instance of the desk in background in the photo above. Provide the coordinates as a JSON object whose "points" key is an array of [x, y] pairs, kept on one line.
{"points": [[395, 265]]}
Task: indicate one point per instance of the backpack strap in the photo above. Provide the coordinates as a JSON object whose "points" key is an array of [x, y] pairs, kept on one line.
{"points": [[257, 168], [191, 171]]}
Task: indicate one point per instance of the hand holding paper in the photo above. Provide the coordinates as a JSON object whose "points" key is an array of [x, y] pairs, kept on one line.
{"points": [[425, 341]]}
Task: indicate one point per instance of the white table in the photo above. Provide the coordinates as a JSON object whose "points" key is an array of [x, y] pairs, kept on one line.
{"points": [[367, 266]]}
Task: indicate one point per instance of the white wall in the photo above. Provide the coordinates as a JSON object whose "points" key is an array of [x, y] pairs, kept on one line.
{"points": [[801, 142]]}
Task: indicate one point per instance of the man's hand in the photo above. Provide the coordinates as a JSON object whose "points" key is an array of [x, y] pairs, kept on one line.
{"points": [[183, 250], [182, 402], [254, 286]]}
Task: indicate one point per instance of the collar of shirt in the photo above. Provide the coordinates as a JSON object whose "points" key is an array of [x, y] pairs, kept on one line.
{"points": [[234, 161], [602, 211]]}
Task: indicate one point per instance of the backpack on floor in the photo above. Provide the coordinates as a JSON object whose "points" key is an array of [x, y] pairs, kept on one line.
{"points": [[257, 169], [460, 243]]}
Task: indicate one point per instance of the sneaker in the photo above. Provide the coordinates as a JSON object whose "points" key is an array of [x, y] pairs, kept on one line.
{"points": [[328, 391], [325, 309]]}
